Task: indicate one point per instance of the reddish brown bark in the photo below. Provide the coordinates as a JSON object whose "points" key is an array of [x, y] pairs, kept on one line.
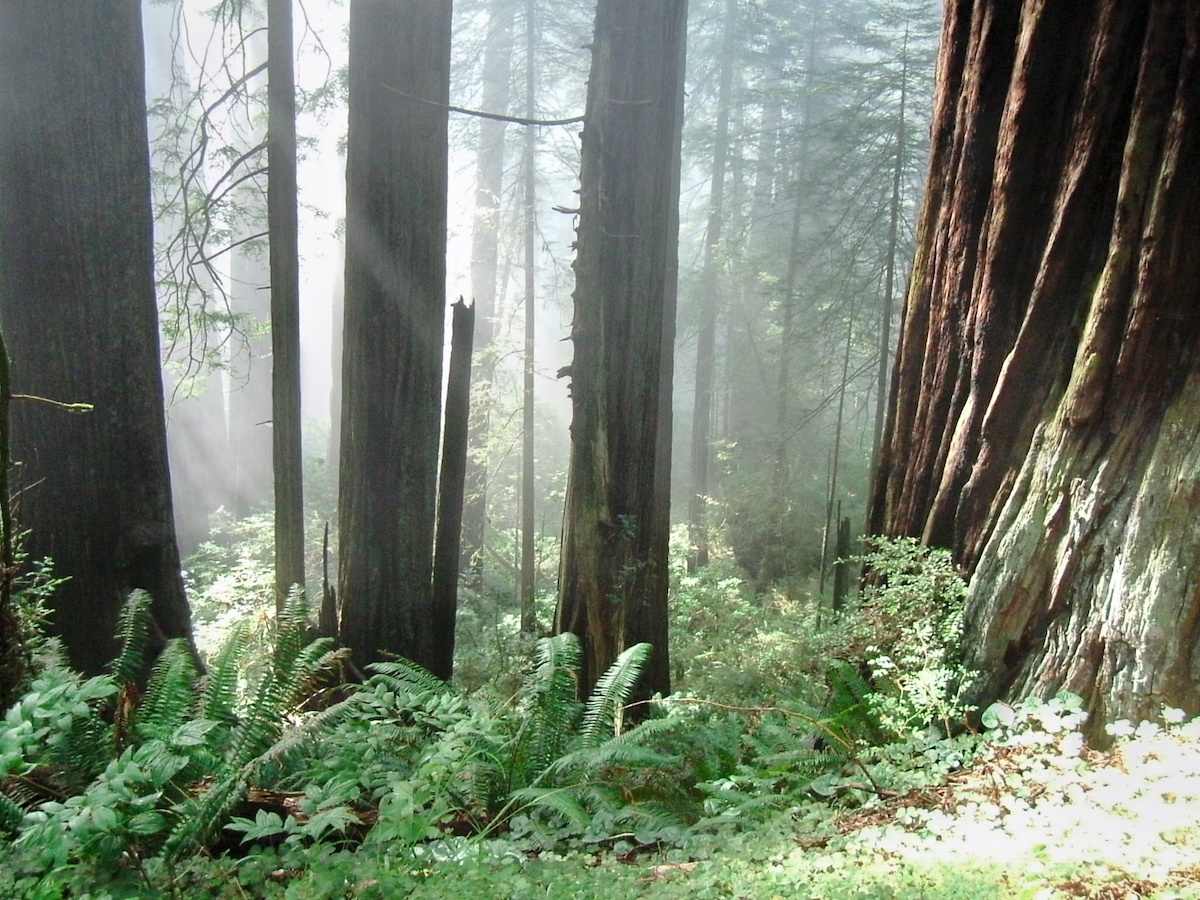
{"points": [[1047, 357], [613, 589]]}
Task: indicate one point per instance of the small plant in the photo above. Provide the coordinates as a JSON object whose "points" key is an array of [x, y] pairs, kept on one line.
{"points": [[909, 635]]}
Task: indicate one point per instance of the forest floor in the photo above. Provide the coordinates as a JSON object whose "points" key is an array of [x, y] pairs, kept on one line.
{"points": [[1038, 817]]}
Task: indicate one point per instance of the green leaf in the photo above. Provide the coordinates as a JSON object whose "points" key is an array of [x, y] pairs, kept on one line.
{"points": [[265, 824], [998, 715], [193, 733], [148, 823]]}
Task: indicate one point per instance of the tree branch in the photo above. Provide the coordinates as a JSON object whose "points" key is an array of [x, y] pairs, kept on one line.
{"points": [[496, 117]]}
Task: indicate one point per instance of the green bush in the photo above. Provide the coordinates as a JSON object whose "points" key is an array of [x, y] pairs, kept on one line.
{"points": [[907, 631]]}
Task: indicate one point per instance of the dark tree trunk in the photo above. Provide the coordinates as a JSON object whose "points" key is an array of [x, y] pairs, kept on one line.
{"points": [[451, 483], [485, 257], [15, 655], [710, 301], [613, 587], [78, 308], [1046, 395], [287, 455], [396, 178]]}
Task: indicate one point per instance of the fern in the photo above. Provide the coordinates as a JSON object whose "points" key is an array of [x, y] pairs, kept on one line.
{"points": [[612, 691], [848, 714], [297, 668], [133, 634], [12, 811], [553, 709], [406, 677], [220, 685], [171, 692]]}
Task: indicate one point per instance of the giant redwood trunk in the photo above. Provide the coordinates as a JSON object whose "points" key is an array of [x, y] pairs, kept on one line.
{"points": [[1045, 414], [79, 316], [613, 583], [396, 175]]}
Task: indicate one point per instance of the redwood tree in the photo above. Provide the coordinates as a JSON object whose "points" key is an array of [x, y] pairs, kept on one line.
{"points": [[283, 222], [79, 315], [613, 583], [396, 176], [1046, 396]]}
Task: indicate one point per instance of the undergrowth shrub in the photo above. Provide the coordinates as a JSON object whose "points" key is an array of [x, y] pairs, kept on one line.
{"points": [[906, 632]]}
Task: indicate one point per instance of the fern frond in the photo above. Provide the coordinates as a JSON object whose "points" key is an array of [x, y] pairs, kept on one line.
{"points": [[133, 633], [562, 801], [171, 693], [612, 691], [407, 677], [11, 814], [592, 761], [291, 630], [313, 665], [848, 713], [220, 687], [553, 710]]}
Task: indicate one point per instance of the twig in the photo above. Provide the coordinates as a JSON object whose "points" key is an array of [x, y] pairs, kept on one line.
{"points": [[480, 114]]}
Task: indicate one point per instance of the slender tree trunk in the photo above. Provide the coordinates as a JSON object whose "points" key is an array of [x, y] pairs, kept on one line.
{"points": [[14, 655], [1051, 439], [394, 324], [710, 300], [451, 482], [889, 272], [529, 174], [613, 586], [285, 302], [250, 392], [835, 461], [485, 256], [79, 314]]}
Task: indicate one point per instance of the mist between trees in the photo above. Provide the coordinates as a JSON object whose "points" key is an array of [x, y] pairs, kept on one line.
{"points": [[789, 168], [685, 247]]}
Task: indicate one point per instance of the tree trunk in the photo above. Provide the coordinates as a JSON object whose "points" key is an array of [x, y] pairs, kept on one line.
{"points": [[527, 587], [889, 271], [250, 401], [1051, 438], [485, 259], [394, 324], [613, 586], [710, 300], [79, 315], [451, 482], [284, 226]]}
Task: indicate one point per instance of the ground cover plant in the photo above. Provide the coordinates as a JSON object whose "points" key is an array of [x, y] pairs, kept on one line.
{"points": [[848, 770]]}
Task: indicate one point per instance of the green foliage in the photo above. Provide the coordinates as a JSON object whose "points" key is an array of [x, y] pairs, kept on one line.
{"points": [[744, 647], [907, 630], [165, 776]]}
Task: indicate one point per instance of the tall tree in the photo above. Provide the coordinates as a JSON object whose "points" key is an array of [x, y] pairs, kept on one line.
{"points": [[396, 180], [706, 339], [285, 301], [451, 486], [529, 183], [613, 584], [250, 393], [78, 309], [1050, 438], [485, 263]]}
